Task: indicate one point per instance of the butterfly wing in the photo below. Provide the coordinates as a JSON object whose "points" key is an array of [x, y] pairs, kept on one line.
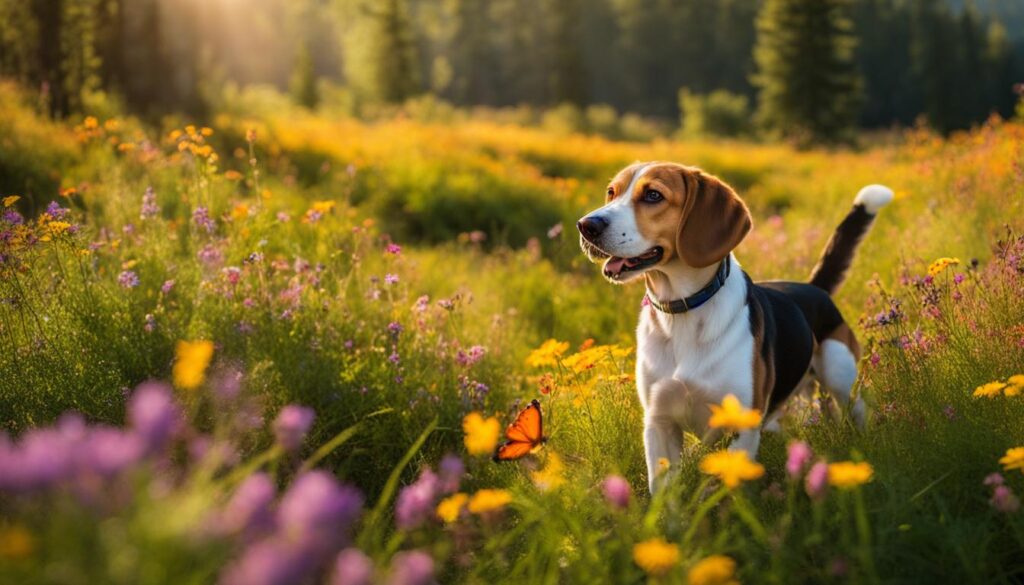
{"points": [[524, 435]]}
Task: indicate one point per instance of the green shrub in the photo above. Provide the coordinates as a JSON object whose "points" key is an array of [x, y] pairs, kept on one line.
{"points": [[719, 113]]}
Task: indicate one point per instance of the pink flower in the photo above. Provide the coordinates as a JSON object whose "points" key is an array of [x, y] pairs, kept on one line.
{"points": [[800, 456], [994, 479], [394, 249], [1004, 500], [292, 424], [616, 491], [352, 567], [816, 481]]}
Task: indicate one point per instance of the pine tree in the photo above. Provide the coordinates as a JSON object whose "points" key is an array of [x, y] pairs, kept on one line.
{"points": [[394, 73], [808, 80]]}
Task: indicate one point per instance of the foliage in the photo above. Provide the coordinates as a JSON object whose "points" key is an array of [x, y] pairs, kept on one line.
{"points": [[719, 113]]}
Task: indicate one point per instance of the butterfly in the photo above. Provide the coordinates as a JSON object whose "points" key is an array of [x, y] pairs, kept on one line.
{"points": [[525, 435]]}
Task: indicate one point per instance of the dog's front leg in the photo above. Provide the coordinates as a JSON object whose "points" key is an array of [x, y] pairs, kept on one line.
{"points": [[749, 441], [662, 440]]}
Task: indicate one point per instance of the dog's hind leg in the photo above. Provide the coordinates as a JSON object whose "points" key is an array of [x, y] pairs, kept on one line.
{"points": [[662, 440], [836, 367]]}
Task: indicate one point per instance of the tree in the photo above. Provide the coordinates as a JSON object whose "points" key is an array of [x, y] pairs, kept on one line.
{"points": [[303, 83], [394, 75], [810, 88]]}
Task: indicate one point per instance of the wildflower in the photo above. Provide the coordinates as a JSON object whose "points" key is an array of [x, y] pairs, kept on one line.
{"points": [[732, 467], [489, 500], [616, 491], [847, 474], [656, 556], [550, 477], [150, 208], [56, 211], [106, 451], [249, 507], [291, 426], [555, 231], [451, 507], [390, 278], [816, 481], [191, 362], [481, 435], [128, 279], [799, 456], [352, 567], [936, 268], [450, 472], [733, 416], [393, 249], [713, 570], [416, 501], [167, 286], [11, 200], [1014, 459], [989, 390], [547, 354], [663, 465], [394, 328], [1004, 500], [201, 217], [210, 255], [272, 561], [994, 479], [470, 357], [153, 415], [319, 508], [412, 568], [394, 358], [91, 123]]}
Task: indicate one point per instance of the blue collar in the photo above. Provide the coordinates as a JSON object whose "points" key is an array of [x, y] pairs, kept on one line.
{"points": [[697, 299]]}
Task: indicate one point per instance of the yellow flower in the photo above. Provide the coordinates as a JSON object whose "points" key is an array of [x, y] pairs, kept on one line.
{"points": [[732, 467], [547, 354], [91, 123], [16, 542], [56, 228], [1014, 459], [481, 434], [731, 415], [206, 131], [191, 362], [550, 477], [323, 206], [11, 200], [1017, 380], [663, 465], [233, 175], [714, 570], [112, 125], [655, 556], [588, 357], [847, 474], [126, 147], [240, 211], [450, 508], [485, 501], [1014, 385], [941, 264], [989, 390]]}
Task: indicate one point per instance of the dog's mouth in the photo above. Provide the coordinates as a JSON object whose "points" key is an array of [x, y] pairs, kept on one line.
{"points": [[616, 266]]}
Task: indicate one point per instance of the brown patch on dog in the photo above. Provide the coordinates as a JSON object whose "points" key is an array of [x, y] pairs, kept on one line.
{"points": [[843, 334], [764, 369]]}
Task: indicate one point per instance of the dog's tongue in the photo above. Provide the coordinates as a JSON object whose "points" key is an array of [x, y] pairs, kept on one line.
{"points": [[615, 265]]}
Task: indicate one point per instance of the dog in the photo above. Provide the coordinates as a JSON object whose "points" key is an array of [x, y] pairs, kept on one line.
{"points": [[706, 330]]}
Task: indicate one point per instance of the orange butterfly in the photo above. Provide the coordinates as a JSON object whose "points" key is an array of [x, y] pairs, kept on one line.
{"points": [[525, 435]]}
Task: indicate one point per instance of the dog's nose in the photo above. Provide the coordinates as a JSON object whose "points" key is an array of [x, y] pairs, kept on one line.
{"points": [[592, 226]]}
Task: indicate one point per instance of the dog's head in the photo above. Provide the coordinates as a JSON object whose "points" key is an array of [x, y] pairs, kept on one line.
{"points": [[658, 213]]}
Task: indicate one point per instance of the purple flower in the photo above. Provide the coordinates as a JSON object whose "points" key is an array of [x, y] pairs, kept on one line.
{"points": [[149, 207], [292, 424], [319, 509], [616, 491], [107, 451], [248, 509], [128, 279], [272, 561], [394, 358], [394, 328], [210, 255], [816, 481], [13, 217], [1004, 500], [471, 356], [56, 211], [393, 249], [450, 472], [412, 568], [283, 217], [167, 286], [153, 415], [421, 304], [201, 217], [799, 456], [150, 325], [994, 479], [390, 278], [415, 503], [352, 567]]}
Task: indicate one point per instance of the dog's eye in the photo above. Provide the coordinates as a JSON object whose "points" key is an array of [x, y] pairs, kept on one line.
{"points": [[652, 196], [611, 191]]}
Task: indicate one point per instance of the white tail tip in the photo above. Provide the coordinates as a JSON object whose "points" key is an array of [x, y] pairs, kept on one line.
{"points": [[873, 198]]}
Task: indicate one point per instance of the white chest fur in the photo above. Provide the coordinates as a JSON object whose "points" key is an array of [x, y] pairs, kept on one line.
{"points": [[687, 361]]}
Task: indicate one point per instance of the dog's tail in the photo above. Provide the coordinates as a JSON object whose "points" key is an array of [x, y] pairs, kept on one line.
{"points": [[835, 260]]}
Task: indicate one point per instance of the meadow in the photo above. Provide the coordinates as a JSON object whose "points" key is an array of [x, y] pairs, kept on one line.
{"points": [[280, 348]]}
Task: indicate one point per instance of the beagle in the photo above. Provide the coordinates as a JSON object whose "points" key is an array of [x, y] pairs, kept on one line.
{"points": [[706, 330]]}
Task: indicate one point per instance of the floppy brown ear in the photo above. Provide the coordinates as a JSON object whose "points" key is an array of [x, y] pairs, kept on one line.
{"points": [[715, 220]]}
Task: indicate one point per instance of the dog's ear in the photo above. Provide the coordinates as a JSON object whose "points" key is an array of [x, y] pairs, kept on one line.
{"points": [[715, 220]]}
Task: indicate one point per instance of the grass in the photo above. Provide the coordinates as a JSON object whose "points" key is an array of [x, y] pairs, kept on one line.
{"points": [[300, 290]]}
